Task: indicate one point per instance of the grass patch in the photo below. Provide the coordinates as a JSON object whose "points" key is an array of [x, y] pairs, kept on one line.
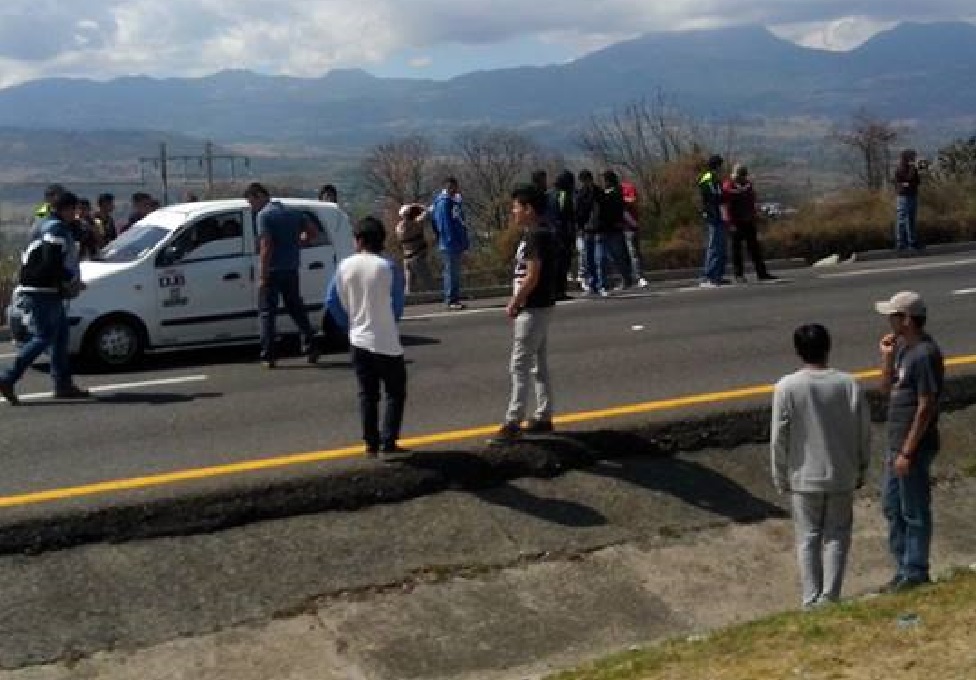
{"points": [[857, 640]]}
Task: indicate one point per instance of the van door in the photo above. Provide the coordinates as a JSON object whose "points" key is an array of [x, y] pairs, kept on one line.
{"points": [[206, 283], [319, 261]]}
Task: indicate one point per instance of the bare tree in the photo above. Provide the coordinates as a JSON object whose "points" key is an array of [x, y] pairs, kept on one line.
{"points": [[397, 169], [638, 140], [871, 140], [492, 160]]}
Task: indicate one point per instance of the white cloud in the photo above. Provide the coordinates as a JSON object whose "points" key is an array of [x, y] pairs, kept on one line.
{"points": [[106, 38], [420, 62]]}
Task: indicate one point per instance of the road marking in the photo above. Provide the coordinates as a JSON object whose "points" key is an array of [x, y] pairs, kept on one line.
{"points": [[903, 268], [8, 356], [98, 389], [179, 476], [965, 291]]}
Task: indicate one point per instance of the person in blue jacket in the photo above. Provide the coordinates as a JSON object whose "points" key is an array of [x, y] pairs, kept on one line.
{"points": [[452, 239]]}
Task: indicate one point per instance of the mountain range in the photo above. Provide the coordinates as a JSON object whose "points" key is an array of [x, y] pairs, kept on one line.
{"points": [[919, 72]]}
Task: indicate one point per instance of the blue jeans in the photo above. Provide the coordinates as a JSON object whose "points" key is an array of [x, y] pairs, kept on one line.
{"points": [[373, 370], [452, 277], [715, 252], [613, 247], [906, 210], [49, 331], [284, 285], [907, 505]]}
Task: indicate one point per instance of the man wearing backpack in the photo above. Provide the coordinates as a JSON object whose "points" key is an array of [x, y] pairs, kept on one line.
{"points": [[49, 274]]}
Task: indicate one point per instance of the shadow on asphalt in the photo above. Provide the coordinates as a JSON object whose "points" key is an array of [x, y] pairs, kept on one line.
{"points": [[553, 510]]}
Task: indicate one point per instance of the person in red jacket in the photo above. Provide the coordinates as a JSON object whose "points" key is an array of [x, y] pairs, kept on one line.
{"points": [[739, 198], [632, 231]]}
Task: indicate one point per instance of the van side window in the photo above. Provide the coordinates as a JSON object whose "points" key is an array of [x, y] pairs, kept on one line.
{"points": [[214, 236], [316, 233]]}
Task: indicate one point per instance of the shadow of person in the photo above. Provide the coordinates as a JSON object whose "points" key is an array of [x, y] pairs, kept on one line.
{"points": [[695, 484], [153, 398], [554, 510]]}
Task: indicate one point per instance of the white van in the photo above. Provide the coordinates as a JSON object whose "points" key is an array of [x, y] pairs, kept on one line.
{"points": [[186, 276]]}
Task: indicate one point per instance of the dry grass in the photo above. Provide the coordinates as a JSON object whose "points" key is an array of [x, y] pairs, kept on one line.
{"points": [[862, 640]]}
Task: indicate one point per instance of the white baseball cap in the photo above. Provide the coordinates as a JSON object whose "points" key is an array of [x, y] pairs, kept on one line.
{"points": [[906, 302]]}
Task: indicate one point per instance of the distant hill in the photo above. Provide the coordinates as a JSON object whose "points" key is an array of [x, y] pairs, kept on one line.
{"points": [[914, 71]]}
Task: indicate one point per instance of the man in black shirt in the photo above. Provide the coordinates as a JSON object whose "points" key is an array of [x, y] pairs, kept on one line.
{"points": [[530, 309]]}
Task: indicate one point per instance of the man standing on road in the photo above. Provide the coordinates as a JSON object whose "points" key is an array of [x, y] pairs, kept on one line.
{"points": [[530, 309], [280, 233], [611, 245], [740, 200], [907, 181], [713, 212], [452, 239], [49, 275], [367, 297], [821, 445], [912, 371]]}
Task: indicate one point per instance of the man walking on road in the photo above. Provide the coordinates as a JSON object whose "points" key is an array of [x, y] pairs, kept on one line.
{"points": [[530, 309], [367, 297], [820, 445], [279, 235], [49, 275], [912, 372]]}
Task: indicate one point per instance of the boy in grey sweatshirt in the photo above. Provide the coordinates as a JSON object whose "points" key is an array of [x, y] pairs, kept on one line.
{"points": [[820, 445]]}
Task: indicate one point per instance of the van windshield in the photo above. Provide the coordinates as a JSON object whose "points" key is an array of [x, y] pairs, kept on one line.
{"points": [[133, 243]]}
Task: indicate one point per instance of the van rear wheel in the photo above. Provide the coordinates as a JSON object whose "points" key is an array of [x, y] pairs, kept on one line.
{"points": [[115, 343]]}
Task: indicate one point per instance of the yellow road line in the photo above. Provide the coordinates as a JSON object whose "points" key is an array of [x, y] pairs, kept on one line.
{"points": [[279, 462]]}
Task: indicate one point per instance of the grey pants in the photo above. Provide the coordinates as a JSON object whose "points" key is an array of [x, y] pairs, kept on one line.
{"points": [[823, 524], [529, 345]]}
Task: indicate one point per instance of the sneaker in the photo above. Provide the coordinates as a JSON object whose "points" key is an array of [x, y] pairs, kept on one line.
{"points": [[743, 280], [538, 427], [708, 284], [372, 451], [906, 584], [71, 392], [643, 283], [890, 586], [7, 392], [604, 292], [456, 306], [768, 277], [392, 450], [507, 433], [313, 353], [267, 364]]}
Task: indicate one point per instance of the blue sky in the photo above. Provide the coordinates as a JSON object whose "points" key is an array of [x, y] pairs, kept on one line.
{"points": [[102, 39]]}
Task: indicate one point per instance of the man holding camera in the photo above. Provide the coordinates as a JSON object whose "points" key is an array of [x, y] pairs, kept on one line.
{"points": [[49, 275]]}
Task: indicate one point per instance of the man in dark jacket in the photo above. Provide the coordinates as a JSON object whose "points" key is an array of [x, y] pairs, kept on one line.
{"points": [[49, 274], [562, 215], [610, 241], [740, 201], [587, 216]]}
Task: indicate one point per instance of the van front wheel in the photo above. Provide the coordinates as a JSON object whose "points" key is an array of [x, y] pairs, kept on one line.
{"points": [[114, 343]]}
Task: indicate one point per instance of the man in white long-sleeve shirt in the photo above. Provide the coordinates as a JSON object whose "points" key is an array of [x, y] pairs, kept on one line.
{"points": [[366, 297], [820, 445]]}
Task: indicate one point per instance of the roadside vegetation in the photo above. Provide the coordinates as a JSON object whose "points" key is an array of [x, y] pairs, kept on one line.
{"points": [[926, 633]]}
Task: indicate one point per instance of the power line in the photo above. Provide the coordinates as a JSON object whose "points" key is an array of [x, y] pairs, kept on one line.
{"points": [[204, 160]]}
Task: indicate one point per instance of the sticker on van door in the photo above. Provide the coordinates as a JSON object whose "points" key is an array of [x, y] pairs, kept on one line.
{"points": [[172, 279]]}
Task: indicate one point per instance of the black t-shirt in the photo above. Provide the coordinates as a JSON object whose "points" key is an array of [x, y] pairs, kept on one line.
{"points": [[537, 244]]}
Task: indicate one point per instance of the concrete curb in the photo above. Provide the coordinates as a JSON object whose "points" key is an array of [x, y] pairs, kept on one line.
{"points": [[353, 486]]}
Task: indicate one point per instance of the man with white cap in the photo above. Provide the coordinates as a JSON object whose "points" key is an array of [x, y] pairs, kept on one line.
{"points": [[912, 371]]}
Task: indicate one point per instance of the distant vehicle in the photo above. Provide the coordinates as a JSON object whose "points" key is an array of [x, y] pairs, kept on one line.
{"points": [[774, 210], [185, 276]]}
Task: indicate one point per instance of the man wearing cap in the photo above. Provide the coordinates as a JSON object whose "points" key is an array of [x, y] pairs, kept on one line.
{"points": [[366, 296], [714, 214], [912, 371]]}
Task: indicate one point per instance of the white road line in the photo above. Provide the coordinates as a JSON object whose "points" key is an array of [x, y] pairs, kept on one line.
{"points": [[121, 387], [965, 291], [903, 268], [8, 356]]}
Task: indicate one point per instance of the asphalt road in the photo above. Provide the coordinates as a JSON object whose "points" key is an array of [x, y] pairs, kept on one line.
{"points": [[209, 408]]}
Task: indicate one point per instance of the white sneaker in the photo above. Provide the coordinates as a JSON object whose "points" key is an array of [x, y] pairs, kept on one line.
{"points": [[604, 292], [643, 283], [708, 284]]}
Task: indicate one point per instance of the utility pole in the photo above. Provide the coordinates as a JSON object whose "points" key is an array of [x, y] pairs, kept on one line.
{"points": [[204, 161]]}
